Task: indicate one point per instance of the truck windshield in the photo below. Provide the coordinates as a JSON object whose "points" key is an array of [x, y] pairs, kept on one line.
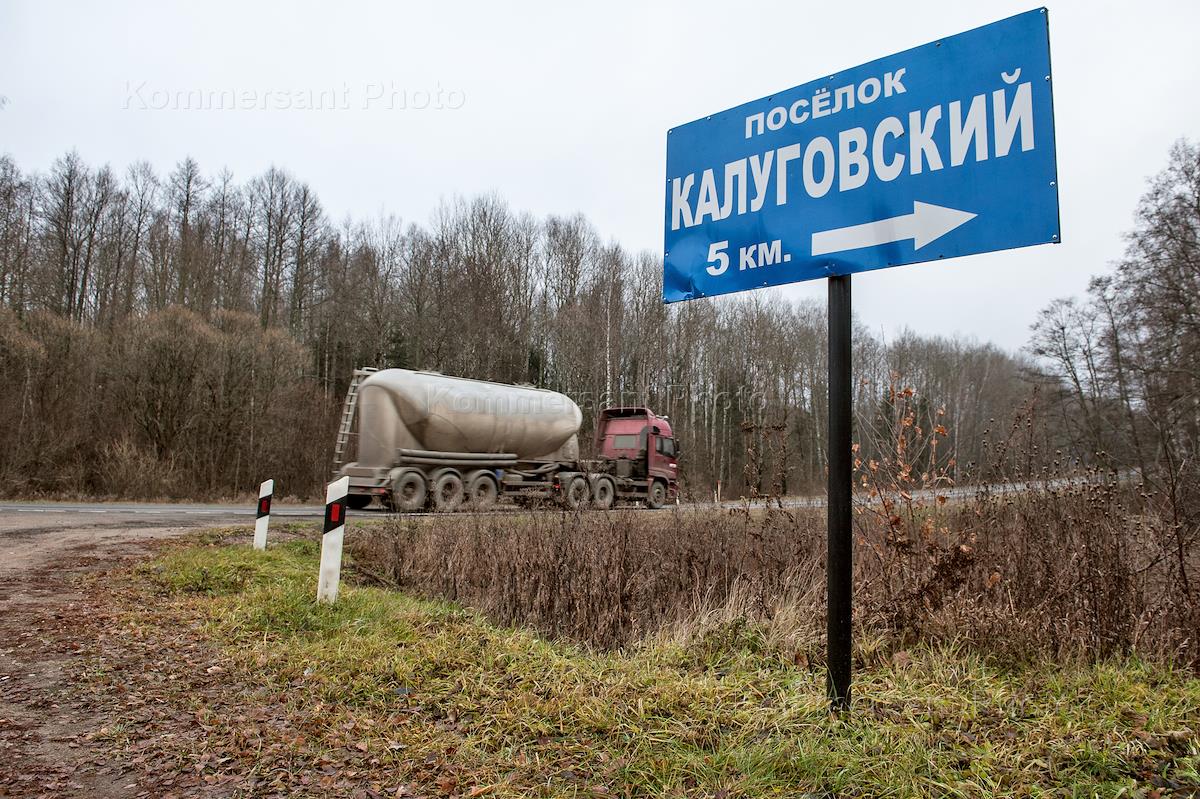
{"points": [[629, 441]]}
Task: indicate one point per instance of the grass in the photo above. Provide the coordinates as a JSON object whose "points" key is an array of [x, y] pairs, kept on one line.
{"points": [[433, 699]]}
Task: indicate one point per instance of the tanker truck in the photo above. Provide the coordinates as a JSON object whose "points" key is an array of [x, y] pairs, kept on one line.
{"points": [[428, 440]]}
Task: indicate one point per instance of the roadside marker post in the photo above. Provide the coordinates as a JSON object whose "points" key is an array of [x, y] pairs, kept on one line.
{"points": [[263, 518], [939, 151], [331, 540]]}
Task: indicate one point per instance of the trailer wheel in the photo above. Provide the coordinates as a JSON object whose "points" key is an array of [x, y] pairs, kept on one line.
{"points": [[408, 491], [358, 501], [604, 493], [447, 491], [482, 489], [657, 496], [576, 493]]}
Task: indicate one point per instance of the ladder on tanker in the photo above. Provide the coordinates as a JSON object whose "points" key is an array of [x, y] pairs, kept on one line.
{"points": [[346, 425]]}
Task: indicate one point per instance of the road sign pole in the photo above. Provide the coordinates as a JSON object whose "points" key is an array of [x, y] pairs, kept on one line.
{"points": [[1005, 196], [839, 559]]}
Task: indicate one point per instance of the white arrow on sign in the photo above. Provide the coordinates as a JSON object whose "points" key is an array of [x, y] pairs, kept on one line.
{"points": [[925, 224]]}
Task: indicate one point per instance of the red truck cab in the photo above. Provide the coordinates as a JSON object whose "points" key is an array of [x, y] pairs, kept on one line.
{"points": [[640, 445]]}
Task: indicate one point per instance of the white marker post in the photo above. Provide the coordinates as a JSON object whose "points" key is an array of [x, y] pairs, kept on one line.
{"points": [[264, 514], [331, 540]]}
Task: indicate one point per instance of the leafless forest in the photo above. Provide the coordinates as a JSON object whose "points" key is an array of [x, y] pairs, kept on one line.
{"points": [[186, 335]]}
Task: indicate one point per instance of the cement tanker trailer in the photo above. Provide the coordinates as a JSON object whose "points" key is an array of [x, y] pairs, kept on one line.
{"points": [[429, 440]]}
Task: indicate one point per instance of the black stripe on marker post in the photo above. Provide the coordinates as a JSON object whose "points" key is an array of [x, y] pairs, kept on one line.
{"points": [[335, 514], [264, 506]]}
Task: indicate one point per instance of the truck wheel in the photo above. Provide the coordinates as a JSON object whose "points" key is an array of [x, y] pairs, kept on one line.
{"points": [[358, 501], [604, 494], [408, 491], [447, 491], [657, 496], [482, 490], [576, 493]]}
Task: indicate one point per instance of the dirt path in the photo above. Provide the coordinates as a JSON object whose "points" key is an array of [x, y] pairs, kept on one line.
{"points": [[34, 541], [52, 729]]}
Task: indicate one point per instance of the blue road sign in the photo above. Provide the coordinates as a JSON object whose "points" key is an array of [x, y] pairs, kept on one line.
{"points": [[936, 152]]}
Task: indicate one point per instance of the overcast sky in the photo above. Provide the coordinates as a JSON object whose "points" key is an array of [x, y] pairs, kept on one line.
{"points": [[564, 108]]}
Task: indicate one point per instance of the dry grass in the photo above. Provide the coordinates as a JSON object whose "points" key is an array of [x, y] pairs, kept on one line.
{"points": [[1062, 569], [608, 579]]}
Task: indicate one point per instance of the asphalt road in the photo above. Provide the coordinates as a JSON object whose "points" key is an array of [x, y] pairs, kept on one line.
{"points": [[164, 512], [186, 514], [197, 514]]}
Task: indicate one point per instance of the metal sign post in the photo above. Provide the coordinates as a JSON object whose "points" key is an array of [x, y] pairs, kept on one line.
{"points": [[936, 152], [839, 560]]}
